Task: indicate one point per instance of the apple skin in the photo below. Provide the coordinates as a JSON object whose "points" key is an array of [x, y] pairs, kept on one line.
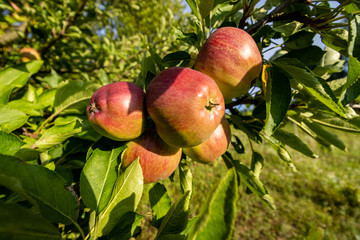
{"points": [[214, 147], [117, 111], [185, 105], [158, 160], [231, 57]]}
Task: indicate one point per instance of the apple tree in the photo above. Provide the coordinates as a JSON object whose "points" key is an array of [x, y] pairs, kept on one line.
{"points": [[275, 62]]}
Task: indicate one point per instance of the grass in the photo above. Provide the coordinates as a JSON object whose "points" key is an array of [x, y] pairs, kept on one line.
{"points": [[319, 201]]}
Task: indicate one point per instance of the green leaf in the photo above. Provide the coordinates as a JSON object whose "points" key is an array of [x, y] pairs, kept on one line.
{"points": [[99, 174], [316, 86], [277, 97], [336, 39], [189, 38], [186, 178], [16, 77], [193, 5], [173, 59], [11, 119], [257, 163], [9, 144], [309, 56], [336, 123], [251, 178], [246, 128], [176, 219], [52, 79], [327, 136], [73, 97], [294, 142], [29, 108], [17, 222], [351, 89], [56, 135], [237, 144], [125, 197], [160, 203], [205, 7], [354, 44], [300, 40], [218, 210], [128, 225], [280, 149], [43, 188], [288, 29]]}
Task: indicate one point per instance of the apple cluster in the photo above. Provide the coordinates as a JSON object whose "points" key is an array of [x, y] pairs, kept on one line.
{"points": [[187, 106]]}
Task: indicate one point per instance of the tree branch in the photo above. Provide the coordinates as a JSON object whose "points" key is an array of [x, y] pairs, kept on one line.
{"points": [[253, 28]]}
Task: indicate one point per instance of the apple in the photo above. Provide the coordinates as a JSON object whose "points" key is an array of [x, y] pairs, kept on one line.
{"points": [[185, 105], [158, 160], [231, 57], [27, 54], [117, 111], [214, 147]]}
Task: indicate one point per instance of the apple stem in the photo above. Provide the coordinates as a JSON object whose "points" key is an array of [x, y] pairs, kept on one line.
{"points": [[211, 105]]}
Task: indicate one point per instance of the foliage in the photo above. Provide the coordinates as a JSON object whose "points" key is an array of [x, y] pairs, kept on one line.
{"points": [[55, 169]]}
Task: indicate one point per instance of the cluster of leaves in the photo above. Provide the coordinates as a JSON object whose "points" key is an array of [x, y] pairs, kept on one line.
{"points": [[56, 169]]}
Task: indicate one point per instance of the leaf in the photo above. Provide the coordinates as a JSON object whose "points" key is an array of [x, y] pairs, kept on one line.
{"points": [[99, 174], [16, 77], [354, 44], [251, 179], [52, 79], [56, 135], [128, 225], [294, 142], [11, 119], [316, 86], [193, 5], [218, 210], [73, 97], [29, 108], [246, 128], [327, 136], [17, 222], [160, 203], [55, 201], [9, 144], [309, 56], [176, 219], [237, 144], [288, 29], [277, 97], [280, 149], [205, 7], [300, 40], [336, 39], [336, 123], [351, 89], [173, 59], [186, 178], [125, 197], [189, 38], [257, 163]]}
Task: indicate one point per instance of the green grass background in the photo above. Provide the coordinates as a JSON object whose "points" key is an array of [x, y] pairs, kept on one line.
{"points": [[319, 201]]}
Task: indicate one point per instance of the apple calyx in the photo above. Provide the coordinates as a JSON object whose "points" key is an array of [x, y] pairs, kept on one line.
{"points": [[93, 108]]}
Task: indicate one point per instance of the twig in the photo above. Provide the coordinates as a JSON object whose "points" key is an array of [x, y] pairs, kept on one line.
{"points": [[253, 28]]}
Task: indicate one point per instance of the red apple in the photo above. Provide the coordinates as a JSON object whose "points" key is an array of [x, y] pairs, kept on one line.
{"points": [[158, 160], [117, 111], [186, 106], [231, 57], [27, 54], [214, 147]]}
